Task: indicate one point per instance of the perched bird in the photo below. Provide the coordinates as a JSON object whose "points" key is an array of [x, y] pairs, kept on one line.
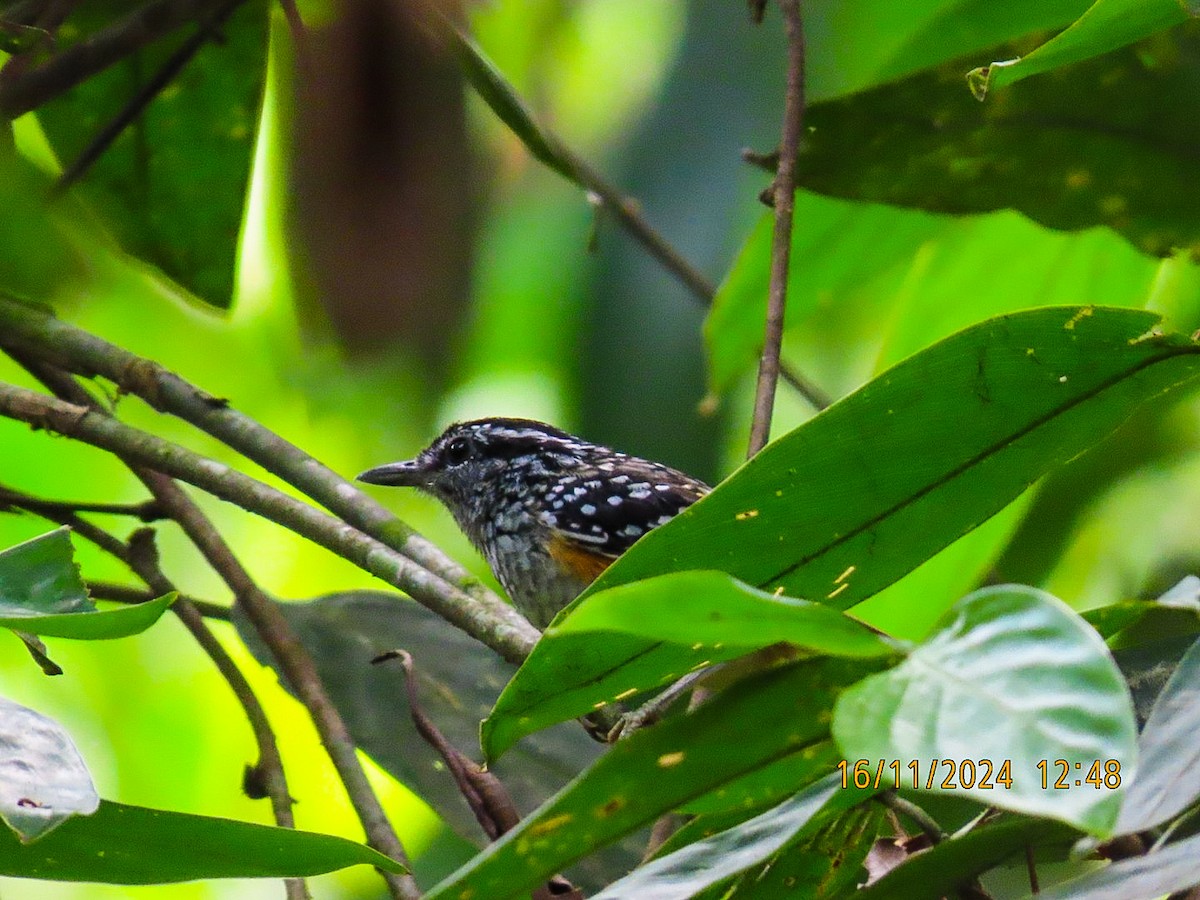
{"points": [[548, 510]]}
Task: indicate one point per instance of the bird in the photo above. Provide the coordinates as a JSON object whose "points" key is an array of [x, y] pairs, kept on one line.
{"points": [[549, 511]]}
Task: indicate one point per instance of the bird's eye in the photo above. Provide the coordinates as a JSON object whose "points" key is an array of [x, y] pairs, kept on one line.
{"points": [[457, 451]]}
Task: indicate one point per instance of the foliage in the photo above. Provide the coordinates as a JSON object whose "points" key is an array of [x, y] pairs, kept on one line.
{"points": [[992, 269]]}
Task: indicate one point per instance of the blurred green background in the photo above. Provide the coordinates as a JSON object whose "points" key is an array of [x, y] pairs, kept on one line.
{"points": [[402, 262]]}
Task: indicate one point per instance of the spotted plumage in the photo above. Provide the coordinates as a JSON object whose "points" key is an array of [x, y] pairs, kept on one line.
{"points": [[548, 510]]}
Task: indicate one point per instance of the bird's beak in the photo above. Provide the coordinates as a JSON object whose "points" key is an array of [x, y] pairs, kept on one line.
{"points": [[409, 473]]}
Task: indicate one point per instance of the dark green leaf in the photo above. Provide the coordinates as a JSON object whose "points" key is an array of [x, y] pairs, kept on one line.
{"points": [[1011, 676], [1165, 871], [765, 718], [43, 779], [829, 864], [1107, 25], [698, 866], [1091, 144], [694, 619], [875, 485], [173, 186], [458, 682], [121, 844], [1168, 776]]}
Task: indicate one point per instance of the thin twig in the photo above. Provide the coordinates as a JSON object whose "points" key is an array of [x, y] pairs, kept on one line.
{"points": [[206, 29], [781, 241], [121, 593], [147, 511]]}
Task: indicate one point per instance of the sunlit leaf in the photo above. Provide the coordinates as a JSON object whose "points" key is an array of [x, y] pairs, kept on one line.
{"points": [[1012, 678], [122, 844], [694, 619], [43, 779], [1107, 25], [41, 593]]}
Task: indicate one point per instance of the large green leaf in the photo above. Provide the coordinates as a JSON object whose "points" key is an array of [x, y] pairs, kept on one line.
{"points": [[705, 863], [122, 844], [752, 724], [41, 593], [871, 488], [694, 619], [1107, 25], [43, 779], [173, 186], [1103, 142], [1168, 778], [1012, 678]]}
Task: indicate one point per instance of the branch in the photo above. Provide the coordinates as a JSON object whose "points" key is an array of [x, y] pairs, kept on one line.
{"points": [[781, 242], [38, 333], [95, 53], [495, 624], [144, 512], [145, 565], [491, 85], [120, 593], [276, 633]]}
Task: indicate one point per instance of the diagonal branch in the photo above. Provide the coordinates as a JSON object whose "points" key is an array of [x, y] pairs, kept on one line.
{"points": [[495, 624], [40, 334]]}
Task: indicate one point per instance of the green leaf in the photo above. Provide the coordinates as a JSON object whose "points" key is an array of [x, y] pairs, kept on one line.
{"points": [[41, 593], [90, 626], [122, 844], [1087, 145], [173, 186], [39, 577], [43, 779], [694, 619], [827, 865], [698, 866], [1011, 676], [940, 870], [764, 718], [1168, 777], [1167, 870], [1107, 25], [878, 483]]}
